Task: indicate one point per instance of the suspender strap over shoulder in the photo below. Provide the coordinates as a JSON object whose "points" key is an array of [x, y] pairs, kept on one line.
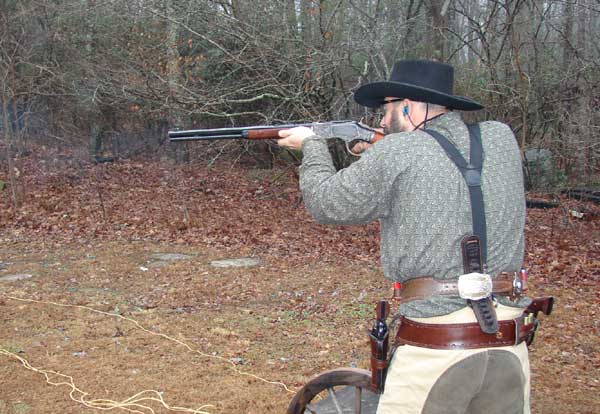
{"points": [[471, 171]]}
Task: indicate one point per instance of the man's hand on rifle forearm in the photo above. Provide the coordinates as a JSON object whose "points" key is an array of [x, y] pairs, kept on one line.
{"points": [[294, 137]]}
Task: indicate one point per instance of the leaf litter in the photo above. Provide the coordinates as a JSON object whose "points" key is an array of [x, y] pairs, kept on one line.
{"points": [[91, 232]]}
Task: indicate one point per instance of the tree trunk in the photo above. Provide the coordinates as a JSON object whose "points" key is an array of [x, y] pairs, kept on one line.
{"points": [[567, 40], [568, 57], [582, 24], [580, 125], [436, 16], [307, 11], [9, 145], [474, 11], [291, 19], [180, 150], [240, 9], [95, 127], [518, 32]]}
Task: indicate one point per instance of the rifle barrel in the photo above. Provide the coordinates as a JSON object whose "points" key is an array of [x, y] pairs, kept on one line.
{"points": [[199, 137]]}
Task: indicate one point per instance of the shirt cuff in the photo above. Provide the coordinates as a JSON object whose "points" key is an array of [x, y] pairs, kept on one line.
{"points": [[311, 138]]}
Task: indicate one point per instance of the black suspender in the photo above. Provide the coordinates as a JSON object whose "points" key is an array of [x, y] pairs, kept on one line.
{"points": [[471, 171], [472, 259]]}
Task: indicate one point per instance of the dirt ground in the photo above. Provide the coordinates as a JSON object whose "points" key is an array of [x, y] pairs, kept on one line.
{"points": [[103, 309], [279, 325]]}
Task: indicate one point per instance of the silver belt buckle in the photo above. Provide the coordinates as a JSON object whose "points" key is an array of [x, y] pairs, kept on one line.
{"points": [[474, 286]]}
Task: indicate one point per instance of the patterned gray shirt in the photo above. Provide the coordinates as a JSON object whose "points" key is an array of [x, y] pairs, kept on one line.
{"points": [[408, 183]]}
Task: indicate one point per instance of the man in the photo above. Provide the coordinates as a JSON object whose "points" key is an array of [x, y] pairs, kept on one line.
{"points": [[411, 185]]}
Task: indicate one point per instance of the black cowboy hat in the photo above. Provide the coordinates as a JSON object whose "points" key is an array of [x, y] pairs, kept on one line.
{"points": [[417, 80]]}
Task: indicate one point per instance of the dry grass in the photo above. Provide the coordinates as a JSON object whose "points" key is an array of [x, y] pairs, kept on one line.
{"points": [[303, 310], [279, 323]]}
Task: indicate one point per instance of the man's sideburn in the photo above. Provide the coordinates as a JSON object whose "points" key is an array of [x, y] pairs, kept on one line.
{"points": [[395, 125]]}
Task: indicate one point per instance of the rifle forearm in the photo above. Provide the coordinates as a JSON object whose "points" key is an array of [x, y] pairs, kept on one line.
{"points": [[267, 133]]}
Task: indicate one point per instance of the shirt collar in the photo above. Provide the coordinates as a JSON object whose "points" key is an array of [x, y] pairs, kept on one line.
{"points": [[445, 121]]}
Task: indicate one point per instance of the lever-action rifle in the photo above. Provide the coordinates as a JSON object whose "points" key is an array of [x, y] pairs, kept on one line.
{"points": [[349, 131]]}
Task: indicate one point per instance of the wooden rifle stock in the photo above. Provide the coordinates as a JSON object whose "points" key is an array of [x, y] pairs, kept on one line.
{"points": [[543, 304], [273, 133]]}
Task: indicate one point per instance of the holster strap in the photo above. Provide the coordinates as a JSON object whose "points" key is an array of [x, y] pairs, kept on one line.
{"points": [[464, 335], [378, 364], [424, 287]]}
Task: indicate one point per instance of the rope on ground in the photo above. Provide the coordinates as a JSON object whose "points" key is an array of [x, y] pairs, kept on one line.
{"points": [[132, 401], [131, 404]]}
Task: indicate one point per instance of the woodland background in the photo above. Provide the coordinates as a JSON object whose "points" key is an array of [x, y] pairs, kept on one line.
{"points": [[111, 77], [91, 191]]}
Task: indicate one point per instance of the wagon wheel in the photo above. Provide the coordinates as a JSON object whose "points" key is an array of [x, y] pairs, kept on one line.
{"points": [[339, 391]]}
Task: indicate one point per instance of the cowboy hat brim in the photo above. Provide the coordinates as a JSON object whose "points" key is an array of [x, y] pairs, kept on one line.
{"points": [[372, 95]]}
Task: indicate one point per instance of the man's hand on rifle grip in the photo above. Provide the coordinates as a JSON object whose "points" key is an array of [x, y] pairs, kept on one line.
{"points": [[294, 137], [362, 146]]}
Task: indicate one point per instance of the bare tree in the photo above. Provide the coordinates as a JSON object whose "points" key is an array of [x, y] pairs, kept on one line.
{"points": [[127, 71]]}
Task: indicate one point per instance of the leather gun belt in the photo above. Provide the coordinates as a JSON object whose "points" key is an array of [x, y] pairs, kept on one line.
{"points": [[463, 335], [424, 287], [469, 335]]}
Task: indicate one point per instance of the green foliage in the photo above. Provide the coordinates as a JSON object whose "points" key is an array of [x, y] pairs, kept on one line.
{"points": [[21, 408], [12, 348], [541, 172], [361, 311], [560, 179]]}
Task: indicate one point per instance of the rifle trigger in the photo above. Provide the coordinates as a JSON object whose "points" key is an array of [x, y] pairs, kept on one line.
{"points": [[350, 151]]}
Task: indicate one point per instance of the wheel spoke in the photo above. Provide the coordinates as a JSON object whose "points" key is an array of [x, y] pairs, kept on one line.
{"points": [[358, 400], [332, 392], [309, 408], [335, 400]]}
